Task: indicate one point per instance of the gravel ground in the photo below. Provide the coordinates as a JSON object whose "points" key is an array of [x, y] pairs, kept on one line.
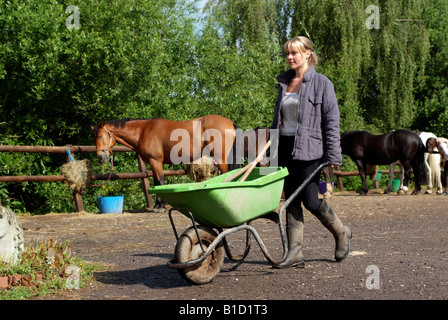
{"points": [[398, 253]]}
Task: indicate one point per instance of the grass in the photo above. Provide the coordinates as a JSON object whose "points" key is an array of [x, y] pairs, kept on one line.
{"points": [[46, 267]]}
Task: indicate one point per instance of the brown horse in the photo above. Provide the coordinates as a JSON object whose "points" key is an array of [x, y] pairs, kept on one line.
{"points": [[161, 141]]}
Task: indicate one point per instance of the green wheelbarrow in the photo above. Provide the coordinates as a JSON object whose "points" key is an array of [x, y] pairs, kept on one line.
{"points": [[218, 208]]}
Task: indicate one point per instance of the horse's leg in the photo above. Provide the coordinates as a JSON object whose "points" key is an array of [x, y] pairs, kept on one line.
{"points": [[418, 165], [407, 175], [430, 174], [391, 178], [402, 189], [362, 173], [157, 169], [436, 174]]}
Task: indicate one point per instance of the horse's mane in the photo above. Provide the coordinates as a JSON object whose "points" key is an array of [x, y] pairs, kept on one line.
{"points": [[117, 123]]}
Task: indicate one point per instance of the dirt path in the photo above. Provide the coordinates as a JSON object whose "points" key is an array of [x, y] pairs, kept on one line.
{"points": [[399, 251]]}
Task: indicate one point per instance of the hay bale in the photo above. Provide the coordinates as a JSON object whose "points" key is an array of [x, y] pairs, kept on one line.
{"points": [[201, 171], [77, 174]]}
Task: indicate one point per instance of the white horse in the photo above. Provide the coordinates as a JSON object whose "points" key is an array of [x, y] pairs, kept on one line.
{"points": [[432, 165]]}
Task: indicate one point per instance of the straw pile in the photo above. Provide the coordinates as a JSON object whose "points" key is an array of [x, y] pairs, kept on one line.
{"points": [[201, 171], [77, 174]]}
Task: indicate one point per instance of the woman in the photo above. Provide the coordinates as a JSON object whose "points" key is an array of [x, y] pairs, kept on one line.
{"points": [[442, 145], [307, 119]]}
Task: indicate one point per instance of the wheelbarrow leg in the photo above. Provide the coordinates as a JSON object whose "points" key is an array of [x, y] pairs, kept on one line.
{"points": [[246, 250]]}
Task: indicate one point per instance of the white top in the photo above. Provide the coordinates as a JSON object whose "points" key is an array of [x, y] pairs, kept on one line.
{"points": [[444, 148], [289, 114]]}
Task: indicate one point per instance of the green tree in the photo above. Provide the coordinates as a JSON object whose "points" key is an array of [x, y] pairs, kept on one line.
{"points": [[238, 58], [375, 71], [126, 59], [341, 39], [432, 113]]}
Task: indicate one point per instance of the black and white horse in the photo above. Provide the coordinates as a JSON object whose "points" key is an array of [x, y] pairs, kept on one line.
{"points": [[432, 168]]}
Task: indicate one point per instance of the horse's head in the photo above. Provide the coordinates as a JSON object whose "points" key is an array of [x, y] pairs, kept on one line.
{"points": [[104, 142]]}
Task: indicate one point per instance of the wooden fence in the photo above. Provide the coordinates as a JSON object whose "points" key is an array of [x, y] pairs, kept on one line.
{"points": [[339, 174], [143, 174]]}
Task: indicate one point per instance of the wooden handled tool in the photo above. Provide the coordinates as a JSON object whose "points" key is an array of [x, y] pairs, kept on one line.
{"points": [[248, 168]]}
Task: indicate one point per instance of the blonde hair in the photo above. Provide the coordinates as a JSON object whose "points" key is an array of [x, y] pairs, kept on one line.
{"points": [[302, 44]]}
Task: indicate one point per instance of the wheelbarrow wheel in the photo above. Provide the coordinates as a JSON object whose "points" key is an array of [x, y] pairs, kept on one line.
{"points": [[188, 248]]}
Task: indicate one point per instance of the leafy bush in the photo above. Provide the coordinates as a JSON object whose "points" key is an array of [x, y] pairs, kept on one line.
{"points": [[157, 58]]}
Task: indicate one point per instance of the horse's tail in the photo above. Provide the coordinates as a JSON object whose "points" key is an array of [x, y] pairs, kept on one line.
{"points": [[422, 148], [419, 163]]}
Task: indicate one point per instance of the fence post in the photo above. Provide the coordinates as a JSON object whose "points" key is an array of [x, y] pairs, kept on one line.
{"points": [[145, 183], [339, 179], [340, 184], [78, 201]]}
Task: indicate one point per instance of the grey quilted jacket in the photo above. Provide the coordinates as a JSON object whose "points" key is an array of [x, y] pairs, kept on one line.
{"points": [[317, 135]]}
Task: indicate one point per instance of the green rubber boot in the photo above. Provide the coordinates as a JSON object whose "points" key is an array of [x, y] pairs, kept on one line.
{"points": [[342, 234], [294, 232]]}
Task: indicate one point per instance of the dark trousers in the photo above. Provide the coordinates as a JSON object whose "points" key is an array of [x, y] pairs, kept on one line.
{"points": [[298, 172]]}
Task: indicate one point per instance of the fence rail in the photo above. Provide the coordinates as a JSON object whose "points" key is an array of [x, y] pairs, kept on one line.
{"points": [[339, 174], [143, 174]]}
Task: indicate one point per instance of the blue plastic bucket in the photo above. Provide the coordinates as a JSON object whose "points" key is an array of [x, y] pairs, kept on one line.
{"points": [[110, 204]]}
